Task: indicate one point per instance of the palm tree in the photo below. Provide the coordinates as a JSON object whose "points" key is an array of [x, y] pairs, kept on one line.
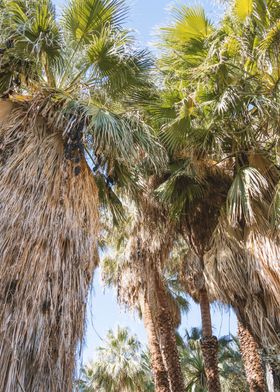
{"points": [[142, 250], [119, 366], [223, 171], [251, 354], [229, 359], [64, 130], [189, 191]]}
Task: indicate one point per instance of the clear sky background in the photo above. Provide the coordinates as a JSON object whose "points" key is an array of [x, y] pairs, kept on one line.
{"points": [[145, 17]]}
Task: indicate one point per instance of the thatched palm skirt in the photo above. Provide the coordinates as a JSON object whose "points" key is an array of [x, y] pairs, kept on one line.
{"points": [[48, 230]]}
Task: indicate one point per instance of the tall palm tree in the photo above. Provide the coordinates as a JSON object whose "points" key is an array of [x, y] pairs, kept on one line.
{"points": [[63, 131], [190, 188], [212, 111], [145, 245], [119, 366], [251, 199], [251, 354]]}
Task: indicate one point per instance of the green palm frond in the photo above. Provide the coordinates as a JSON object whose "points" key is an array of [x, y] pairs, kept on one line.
{"points": [[243, 8], [248, 185], [190, 24], [111, 63], [257, 9], [123, 137], [85, 18], [109, 200], [31, 41], [182, 188], [174, 134], [119, 365], [272, 38]]}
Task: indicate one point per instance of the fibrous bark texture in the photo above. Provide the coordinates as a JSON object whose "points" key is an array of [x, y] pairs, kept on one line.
{"points": [[209, 345], [252, 359], [48, 253], [149, 245], [168, 344], [159, 372]]}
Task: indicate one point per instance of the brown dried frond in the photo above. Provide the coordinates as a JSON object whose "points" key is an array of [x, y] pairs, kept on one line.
{"points": [[244, 271], [48, 235], [202, 219], [151, 238]]}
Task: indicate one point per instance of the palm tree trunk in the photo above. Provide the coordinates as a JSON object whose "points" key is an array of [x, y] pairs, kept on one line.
{"points": [[168, 345], [159, 372], [252, 359], [209, 345], [48, 244]]}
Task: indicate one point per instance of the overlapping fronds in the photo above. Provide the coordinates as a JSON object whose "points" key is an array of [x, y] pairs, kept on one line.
{"points": [[247, 185], [49, 228], [231, 74], [190, 24], [146, 247], [119, 365], [85, 18], [244, 272], [243, 8]]}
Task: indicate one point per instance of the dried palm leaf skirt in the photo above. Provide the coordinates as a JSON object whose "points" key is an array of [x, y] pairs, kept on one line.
{"points": [[48, 231]]}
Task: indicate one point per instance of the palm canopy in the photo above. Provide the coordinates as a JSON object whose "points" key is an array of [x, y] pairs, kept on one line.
{"points": [[120, 270], [81, 68], [230, 363], [119, 367], [217, 113], [62, 80]]}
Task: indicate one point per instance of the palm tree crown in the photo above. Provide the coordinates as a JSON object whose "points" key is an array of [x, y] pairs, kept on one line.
{"points": [[119, 366]]}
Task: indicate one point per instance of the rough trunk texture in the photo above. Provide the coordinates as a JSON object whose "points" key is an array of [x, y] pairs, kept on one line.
{"points": [[159, 372], [252, 360], [209, 345], [48, 235], [168, 344]]}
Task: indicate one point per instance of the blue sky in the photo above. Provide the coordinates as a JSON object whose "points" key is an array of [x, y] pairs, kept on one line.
{"points": [[145, 17], [104, 313]]}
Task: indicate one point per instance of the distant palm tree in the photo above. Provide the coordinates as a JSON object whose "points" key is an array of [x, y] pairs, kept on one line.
{"points": [[120, 366], [232, 373]]}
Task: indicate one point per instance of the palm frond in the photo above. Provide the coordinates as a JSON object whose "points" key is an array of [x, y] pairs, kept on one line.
{"points": [[243, 8], [181, 189], [109, 199], [248, 185], [112, 63], [190, 24], [84, 19], [31, 35]]}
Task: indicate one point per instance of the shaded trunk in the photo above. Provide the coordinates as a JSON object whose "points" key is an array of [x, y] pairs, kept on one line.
{"points": [[209, 345], [159, 372], [252, 359], [168, 345]]}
